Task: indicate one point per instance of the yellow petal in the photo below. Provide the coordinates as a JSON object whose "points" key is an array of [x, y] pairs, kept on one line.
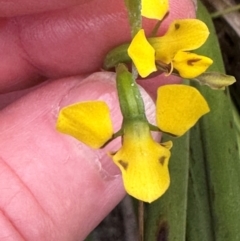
{"points": [[144, 166], [190, 65], [182, 35], [154, 9], [89, 122], [142, 54], [178, 108]]}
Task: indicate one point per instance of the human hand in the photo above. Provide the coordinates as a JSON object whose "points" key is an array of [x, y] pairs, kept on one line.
{"points": [[52, 186]]}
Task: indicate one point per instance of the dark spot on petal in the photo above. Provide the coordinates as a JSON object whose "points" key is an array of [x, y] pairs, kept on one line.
{"points": [[162, 160], [177, 26], [192, 61], [163, 231], [123, 164]]}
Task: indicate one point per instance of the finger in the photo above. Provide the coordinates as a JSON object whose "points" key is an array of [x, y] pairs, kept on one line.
{"points": [[24, 7], [8, 98], [67, 42], [52, 186]]}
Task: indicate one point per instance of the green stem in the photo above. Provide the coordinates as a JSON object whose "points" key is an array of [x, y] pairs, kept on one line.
{"points": [[134, 14], [130, 98]]}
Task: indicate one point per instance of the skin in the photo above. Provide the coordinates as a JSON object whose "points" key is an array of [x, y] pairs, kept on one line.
{"points": [[53, 187]]}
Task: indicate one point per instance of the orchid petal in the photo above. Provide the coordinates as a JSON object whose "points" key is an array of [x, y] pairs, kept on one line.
{"points": [[142, 54], [182, 35], [190, 65], [144, 165], [178, 108], [89, 122], [155, 9]]}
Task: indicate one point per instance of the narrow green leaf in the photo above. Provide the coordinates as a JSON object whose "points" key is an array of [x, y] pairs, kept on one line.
{"points": [[219, 152], [199, 220], [236, 118], [166, 217]]}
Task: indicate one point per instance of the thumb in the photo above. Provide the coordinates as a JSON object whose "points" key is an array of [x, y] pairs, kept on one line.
{"points": [[52, 186]]}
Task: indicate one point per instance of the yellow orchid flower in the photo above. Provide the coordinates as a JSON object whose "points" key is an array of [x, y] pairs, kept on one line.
{"points": [[143, 163], [183, 35], [155, 9], [178, 109]]}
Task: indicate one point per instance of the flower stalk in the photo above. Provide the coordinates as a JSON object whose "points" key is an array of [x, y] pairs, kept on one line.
{"points": [[130, 99]]}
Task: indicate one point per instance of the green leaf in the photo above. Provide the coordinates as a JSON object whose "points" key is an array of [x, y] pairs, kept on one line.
{"points": [[199, 220], [236, 118], [220, 155]]}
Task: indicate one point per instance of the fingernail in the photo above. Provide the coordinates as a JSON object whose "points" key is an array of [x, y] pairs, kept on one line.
{"points": [[98, 86]]}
